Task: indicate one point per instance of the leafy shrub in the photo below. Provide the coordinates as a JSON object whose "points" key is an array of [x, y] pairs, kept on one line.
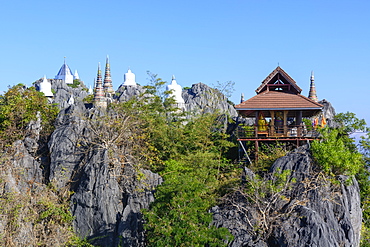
{"points": [[18, 107], [334, 156], [76, 83], [267, 155]]}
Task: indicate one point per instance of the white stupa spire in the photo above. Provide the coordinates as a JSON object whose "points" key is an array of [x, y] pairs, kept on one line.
{"points": [[129, 79], [45, 87], [176, 91]]}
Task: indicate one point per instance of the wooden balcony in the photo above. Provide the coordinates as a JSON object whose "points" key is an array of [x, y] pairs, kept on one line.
{"points": [[287, 132]]}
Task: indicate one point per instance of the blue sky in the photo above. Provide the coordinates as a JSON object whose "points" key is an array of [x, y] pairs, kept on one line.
{"points": [[197, 41]]}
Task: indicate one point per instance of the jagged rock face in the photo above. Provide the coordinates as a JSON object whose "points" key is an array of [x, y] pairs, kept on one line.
{"points": [[125, 93], [63, 93], [329, 113], [65, 156], [314, 212], [23, 170], [20, 174], [202, 99], [108, 209], [328, 110], [107, 195]]}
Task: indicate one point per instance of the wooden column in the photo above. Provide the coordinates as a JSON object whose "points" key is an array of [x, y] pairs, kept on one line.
{"points": [[256, 124], [285, 123], [299, 123], [272, 124]]}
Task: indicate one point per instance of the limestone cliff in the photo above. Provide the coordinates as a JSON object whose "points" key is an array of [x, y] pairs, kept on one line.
{"points": [[108, 193], [311, 211], [107, 188]]}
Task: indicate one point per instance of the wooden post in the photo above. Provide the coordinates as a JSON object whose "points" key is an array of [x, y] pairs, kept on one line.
{"points": [[256, 124], [272, 124], [299, 123], [285, 123]]}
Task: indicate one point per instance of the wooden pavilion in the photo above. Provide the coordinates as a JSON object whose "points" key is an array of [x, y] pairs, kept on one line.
{"points": [[278, 109]]}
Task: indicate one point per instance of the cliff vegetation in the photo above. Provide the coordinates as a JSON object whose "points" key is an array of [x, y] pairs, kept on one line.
{"points": [[144, 173]]}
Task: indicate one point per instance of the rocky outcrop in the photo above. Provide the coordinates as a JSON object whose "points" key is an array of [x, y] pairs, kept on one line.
{"points": [[125, 93], [200, 99], [328, 112], [311, 211], [109, 191], [22, 188], [21, 170]]}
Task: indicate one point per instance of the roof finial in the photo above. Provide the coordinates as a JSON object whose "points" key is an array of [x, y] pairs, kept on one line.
{"points": [[242, 98]]}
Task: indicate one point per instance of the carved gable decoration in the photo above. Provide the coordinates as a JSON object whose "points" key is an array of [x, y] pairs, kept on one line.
{"points": [[279, 80]]}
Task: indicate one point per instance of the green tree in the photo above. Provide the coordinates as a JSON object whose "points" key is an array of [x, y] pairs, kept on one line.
{"points": [[349, 122], [335, 153], [179, 216], [18, 106], [194, 170], [190, 155]]}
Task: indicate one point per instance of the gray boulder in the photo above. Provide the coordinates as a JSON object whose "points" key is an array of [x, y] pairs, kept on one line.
{"points": [[125, 93], [311, 211]]}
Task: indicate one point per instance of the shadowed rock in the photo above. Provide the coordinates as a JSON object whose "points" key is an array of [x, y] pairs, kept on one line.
{"points": [[311, 212]]}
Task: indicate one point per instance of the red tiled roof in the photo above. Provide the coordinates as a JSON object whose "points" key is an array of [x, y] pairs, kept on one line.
{"points": [[271, 100], [271, 76]]}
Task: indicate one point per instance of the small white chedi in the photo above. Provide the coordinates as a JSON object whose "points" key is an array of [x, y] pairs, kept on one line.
{"points": [[45, 87], [176, 91], [129, 79]]}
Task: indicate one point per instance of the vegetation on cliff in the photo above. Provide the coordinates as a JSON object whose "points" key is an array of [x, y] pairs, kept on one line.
{"points": [[31, 213], [20, 105], [191, 154], [337, 154]]}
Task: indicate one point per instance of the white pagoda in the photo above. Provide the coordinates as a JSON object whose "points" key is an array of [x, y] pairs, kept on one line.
{"points": [[129, 79], [45, 87], [176, 92]]}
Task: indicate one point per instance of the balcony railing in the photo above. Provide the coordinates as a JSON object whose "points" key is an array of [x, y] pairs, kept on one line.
{"points": [[284, 131]]}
